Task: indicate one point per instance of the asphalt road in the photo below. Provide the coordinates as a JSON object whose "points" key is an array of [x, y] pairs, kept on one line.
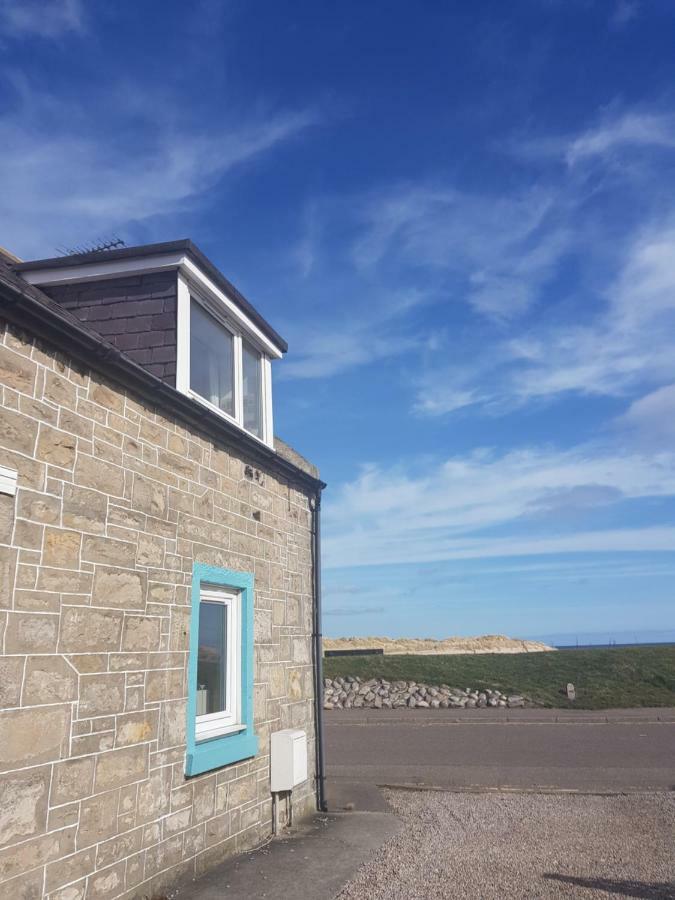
{"points": [[632, 750]]}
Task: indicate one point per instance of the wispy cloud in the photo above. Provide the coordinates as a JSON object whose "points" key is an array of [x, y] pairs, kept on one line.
{"points": [[652, 417], [40, 18], [498, 250], [346, 342], [632, 129], [148, 163], [460, 507], [625, 11]]}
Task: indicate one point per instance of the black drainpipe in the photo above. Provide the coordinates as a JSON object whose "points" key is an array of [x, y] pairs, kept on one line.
{"points": [[318, 655]]}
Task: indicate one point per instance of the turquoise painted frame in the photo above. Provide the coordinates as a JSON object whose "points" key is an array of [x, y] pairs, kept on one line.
{"points": [[202, 756]]}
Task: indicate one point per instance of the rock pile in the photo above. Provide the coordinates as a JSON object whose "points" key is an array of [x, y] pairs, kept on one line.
{"points": [[377, 693]]}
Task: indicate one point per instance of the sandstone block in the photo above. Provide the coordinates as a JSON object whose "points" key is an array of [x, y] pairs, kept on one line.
{"points": [[164, 684], [59, 390], [70, 869], [262, 629], [89, 630], [107, 883], [98, 818], [16, 371], [243, 790], [123, 589], [37, 507], [31, 736], [150, 551], [101, 695], [154, 796], [107, 397], [105, 477], [149, 496], [23, 887], [11, 673], [31, 633], [294, 684], [37, 601], [108, 551], [140, 633], [84, 509], [61, 548], [49, 679], [64, 581], [73, 891], [37, 852], [17, 432], [23, 804], [7, 513], [120, 767], [136, 727], [28, 535], [118, 848], [172, 724], [72, 780], [56, 447]]}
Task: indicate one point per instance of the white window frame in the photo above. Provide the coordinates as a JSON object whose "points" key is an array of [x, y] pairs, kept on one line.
{"points": [[186, 294], [228, 720]]}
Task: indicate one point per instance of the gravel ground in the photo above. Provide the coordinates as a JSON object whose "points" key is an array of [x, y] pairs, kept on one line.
{"points": [[501, 846]]}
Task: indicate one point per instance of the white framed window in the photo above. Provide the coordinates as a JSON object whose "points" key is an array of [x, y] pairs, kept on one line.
{"points": [[218, 707], [222, 368]]}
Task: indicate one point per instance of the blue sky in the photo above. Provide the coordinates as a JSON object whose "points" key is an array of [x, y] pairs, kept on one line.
{"points": [[460, 216]]}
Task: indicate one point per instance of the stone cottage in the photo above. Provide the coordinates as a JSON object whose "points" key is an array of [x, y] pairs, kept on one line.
{"points": [[159, 575]]}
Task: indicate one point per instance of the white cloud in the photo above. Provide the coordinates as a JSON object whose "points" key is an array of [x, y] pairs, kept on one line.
{"points": [[372, 333], [629, 130], [653, 416], [624, 12], [64, 180], [456, 509], [626, 345], [500, 249], [40, 18]]}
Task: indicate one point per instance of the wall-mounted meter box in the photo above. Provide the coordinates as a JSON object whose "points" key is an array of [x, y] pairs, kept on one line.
{"points": [[288, 753]]}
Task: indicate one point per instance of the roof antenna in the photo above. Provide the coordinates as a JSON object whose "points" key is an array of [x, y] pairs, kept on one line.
{"points": [[99, 245]]}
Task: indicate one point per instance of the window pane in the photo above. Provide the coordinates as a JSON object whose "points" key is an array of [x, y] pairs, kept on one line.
{"points": [[211, 658], [252, 390], [211, 359]]}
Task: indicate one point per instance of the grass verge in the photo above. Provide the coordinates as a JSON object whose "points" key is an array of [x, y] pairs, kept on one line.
{"points": [[604, 678]]}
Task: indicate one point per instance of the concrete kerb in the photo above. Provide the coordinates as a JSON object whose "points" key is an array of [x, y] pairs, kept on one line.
{"points": [[530, 716]]}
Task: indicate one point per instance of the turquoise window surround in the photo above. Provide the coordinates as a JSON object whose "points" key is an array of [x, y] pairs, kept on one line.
{"points": [[202, 756]]}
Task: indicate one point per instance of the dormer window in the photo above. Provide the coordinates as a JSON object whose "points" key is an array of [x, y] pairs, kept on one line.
{"points": [[171, 311]]}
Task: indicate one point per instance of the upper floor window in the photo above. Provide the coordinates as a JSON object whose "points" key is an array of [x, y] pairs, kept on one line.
{"points": [[227, 371], [211, 359]]}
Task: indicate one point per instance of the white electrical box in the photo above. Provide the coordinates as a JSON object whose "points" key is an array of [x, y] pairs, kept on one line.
{"points": [[288, 766]]}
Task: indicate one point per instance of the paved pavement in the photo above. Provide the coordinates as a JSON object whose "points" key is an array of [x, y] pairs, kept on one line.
{"points": [[311, 861], [606, 751]]}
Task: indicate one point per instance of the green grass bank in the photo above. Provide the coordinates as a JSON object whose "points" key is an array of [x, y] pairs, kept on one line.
{"points": [[604, 678]]}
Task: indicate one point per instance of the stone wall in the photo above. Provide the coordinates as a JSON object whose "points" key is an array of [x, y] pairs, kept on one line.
{"points": [[115, 502]]}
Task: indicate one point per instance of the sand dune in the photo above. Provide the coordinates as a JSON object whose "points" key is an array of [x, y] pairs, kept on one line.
{"points": [[487, 643]]}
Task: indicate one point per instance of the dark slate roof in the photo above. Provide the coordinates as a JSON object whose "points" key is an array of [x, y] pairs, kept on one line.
{"points": [[184, 246], [30, 308]]}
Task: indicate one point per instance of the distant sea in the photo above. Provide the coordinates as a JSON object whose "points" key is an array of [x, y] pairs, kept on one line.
{"points": [[612, 644], [586, 639]]}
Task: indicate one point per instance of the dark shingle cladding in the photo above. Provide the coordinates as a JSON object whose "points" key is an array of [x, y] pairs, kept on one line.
{"points": [[137, 314]]}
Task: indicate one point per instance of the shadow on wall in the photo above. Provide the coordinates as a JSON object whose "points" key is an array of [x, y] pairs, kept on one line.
{"points": [[650, 890]]}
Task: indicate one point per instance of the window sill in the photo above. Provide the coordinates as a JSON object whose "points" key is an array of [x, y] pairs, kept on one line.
{"points": [[213, 753], [218, 732]]}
